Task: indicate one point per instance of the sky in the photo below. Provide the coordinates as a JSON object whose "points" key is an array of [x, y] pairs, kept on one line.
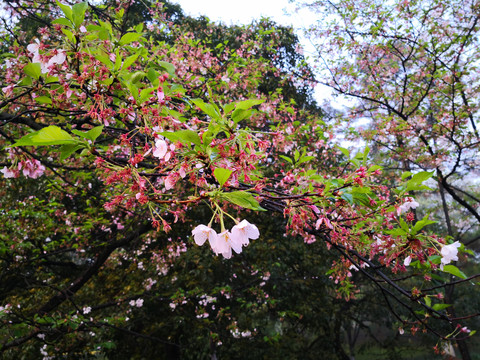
{"points": [[238, 12]]}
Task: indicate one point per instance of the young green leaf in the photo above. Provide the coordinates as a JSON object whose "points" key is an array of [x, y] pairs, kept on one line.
{"points": [[33, 69], [184, 136], [51, 135], [452, 269], [129, 37], [78, 13], [243, 199], [91, 134], [222, 175], [67, 10], [247, 104]]}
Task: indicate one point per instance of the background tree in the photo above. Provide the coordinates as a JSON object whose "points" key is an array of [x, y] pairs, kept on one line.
{"points": [[134, 136], [411, 68]]}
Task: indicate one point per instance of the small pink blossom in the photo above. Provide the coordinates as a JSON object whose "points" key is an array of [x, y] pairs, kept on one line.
{"points": [[325, 221], [33, 48], [59, 58], [171, 180], [161, 149], [407, 260], [8, 90], [8, 173]]}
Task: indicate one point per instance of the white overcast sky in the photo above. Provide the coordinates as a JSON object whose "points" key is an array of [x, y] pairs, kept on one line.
{"points": [[238, 11]]}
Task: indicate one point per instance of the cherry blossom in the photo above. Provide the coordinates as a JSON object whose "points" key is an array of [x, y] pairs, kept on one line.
{"points": [[226, 242], [244, 231], [449, 253], [407, 260], [202, 232], [8, 173], [410, 203], [161, 149]]}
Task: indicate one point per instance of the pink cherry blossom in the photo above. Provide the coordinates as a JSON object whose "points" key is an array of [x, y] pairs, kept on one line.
{"points": [[59, 58], [323, 220], [171, 180], [8, 173], [31, 168], [161, 149]]}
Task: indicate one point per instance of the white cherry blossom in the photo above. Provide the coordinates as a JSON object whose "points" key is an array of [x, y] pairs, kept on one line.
{"points": [[202, 232], [449, 253], [244, 231]]}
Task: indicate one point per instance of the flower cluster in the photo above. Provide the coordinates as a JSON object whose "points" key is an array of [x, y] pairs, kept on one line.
{"points": [[58, 58], [224, 242]]}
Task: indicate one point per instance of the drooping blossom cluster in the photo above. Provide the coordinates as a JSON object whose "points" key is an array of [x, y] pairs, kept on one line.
{"points": [[224, 242], [31, 168]]}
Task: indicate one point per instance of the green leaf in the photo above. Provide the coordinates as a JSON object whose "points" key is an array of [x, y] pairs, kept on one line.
{"points": [[207, 108], [396, 232], [420, 177], [146, 93], [67, 10], [129, 37], [91, 134], [240, 114], [104, 59], [79, 13], [228, 108], [129, 61], [51, 135], [344, 151], [69, 35], [452, 269], [62, 21], [137, 76], [286, 158], [428, 301], [406, 174], [69, 149], [365, 155], [421, 224], [118, 60], [169, 68], [348, 198], [43, 100], [247, 104], [222, 175], [243, 199], [33, 69], [184, 136], [438, 307]]}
